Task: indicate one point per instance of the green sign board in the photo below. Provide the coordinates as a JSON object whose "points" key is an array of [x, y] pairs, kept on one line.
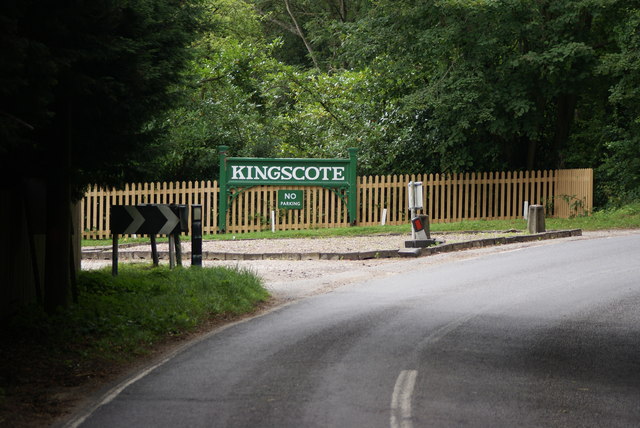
{"points": [[290, 199], [277, 172], [239, 173]]}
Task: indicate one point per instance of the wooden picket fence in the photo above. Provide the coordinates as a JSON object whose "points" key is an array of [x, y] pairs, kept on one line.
{"points": [[448, 198]]}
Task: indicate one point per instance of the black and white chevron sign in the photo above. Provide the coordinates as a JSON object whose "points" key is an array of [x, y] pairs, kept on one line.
{"points": [[151, 219]]}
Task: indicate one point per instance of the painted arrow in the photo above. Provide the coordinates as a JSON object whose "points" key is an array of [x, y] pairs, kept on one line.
{"points": [[138, 220], [172, 220], [148, 219]]}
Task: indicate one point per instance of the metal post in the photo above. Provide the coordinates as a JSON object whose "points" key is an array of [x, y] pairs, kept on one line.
{"points": [[172, 251], [196, 235], [154, 250], [114, 255], [415, 202], [178, 246], [413, 231], [412, 210]]}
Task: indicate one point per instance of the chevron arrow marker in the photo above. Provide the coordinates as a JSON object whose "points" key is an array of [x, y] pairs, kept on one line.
{"points": [[138, 219], [172, 220]]}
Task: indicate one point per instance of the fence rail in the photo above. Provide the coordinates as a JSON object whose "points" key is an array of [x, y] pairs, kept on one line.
{"points": [[448, 198]]}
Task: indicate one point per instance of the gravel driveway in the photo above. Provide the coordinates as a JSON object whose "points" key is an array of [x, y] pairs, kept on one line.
{"points": [[289, 280]]}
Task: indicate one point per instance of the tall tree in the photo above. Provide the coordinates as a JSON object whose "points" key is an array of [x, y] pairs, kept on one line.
{"points": [[231, 96], [620, 171], [83, 78], [489, 83], [311, 30]]}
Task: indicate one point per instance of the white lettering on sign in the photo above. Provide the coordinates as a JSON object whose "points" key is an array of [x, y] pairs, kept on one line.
{"points": [[290, 195], [274, 174], [261, 173], [288, 173], [337, 173], [236, 172], [308, 173], [295, 175]]}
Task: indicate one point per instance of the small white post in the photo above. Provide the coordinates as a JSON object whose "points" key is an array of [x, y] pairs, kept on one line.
{"points": [[384, 217], [412, 210], [273, 221], [525, 212]]}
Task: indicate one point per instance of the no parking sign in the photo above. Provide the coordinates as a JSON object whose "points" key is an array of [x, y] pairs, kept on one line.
{"points": [[290, 199]]}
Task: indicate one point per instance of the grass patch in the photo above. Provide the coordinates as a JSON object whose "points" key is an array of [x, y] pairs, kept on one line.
{"points": [[124, 316], [627, 217]]}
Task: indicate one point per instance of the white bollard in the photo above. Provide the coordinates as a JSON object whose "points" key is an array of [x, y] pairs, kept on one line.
{"points": [[384, 217], [273, 221]]}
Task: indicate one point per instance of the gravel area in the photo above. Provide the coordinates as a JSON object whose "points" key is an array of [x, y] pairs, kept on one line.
{"points": [[290, 280], [317, 245]]}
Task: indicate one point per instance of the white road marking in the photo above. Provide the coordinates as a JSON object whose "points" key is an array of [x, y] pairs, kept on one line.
{"points": [[113, 393], [401, 399]]}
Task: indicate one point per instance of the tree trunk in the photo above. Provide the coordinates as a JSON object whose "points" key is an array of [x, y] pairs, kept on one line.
{"points": [[57, 281], [301, 34], [565, 112], [57, 276], [531, 155]]}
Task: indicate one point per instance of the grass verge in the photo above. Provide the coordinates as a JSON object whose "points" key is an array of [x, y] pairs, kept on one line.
{"points": [[115, 321], [627, 217]]}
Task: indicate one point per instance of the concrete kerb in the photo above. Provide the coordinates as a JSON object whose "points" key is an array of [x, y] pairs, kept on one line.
{"points": [[362, 255], [488, 242]]}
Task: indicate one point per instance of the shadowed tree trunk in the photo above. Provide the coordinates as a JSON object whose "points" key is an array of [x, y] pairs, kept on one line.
{"points": [[566, 108], [57, 257], [57, 277]]}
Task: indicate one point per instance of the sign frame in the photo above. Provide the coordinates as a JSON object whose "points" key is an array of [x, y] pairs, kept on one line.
{"points": [[238, 174], [148, 219]]}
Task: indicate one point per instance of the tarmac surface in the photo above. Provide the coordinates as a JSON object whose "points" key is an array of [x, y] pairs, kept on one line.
{"points": [[539, 333]]}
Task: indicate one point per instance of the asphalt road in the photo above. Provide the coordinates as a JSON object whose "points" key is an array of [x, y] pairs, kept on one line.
{"points": [[543, 336]]}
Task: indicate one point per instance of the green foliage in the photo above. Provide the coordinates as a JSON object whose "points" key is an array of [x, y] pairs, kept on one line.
{"points": [[230, 87], [81, 80], [417, 86], [117, 317], [320, 29], [486, 85], [620, 171]]}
